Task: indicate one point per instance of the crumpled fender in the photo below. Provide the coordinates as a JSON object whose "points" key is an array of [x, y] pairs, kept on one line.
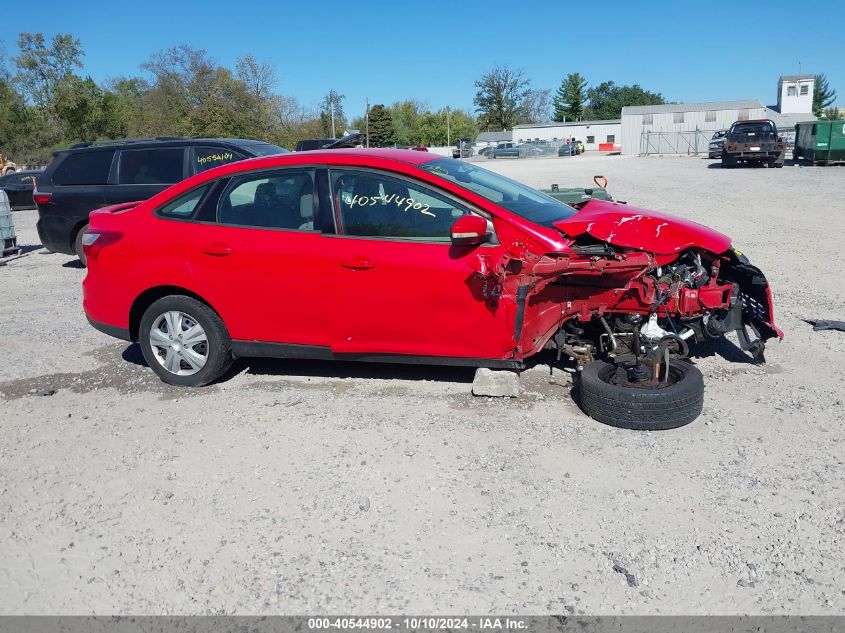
{"points": [[651, 231]]}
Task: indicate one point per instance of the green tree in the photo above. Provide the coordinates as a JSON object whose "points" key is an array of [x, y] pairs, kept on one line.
{"points": [[407, 121], [14, 120], [823, 95], [606, 100], [79, 108], [382, 132], [833, 114], [501, 98], [41, 67], [570, 97]]}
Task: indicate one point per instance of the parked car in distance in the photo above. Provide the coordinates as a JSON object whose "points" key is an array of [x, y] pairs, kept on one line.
{"points": [[506, 150], [19, 185], [309, 144], [578, 144], [568, 149], [486, 151], [463, 149], [92, 175], [716, 143], [403, 256]]}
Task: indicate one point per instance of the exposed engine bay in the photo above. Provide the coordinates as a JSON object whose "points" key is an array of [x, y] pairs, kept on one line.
{"points": [[689, 300], [639, 306]]}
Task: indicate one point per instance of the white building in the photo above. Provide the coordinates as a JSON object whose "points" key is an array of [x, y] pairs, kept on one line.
{"points": [[592, 133], [795, 94], [681, 128]]}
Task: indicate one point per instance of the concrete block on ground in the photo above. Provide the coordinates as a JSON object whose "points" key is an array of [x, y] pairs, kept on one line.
{"points": [[498, 384]]}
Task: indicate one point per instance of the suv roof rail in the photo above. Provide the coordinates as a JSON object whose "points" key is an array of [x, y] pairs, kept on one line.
{"points": [[125, 141]]}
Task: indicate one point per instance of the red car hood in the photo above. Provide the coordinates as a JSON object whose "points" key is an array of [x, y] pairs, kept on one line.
{"points": [[659, 233]]}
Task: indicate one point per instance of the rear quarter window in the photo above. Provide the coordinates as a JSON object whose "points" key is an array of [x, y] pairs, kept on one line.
{"points": [[183, 207], [208, 157], [84, 168]]}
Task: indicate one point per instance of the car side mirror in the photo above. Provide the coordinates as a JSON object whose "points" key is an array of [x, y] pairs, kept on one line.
{"points": [[469, 230]]}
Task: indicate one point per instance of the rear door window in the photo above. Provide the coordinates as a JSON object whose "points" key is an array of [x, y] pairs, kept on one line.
{"points": [[208, 157], [158, 166], [84, 168], [271, 200]]}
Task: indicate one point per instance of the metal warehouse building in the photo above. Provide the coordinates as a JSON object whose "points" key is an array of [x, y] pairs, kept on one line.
{"points": [[682, 128], [591, 133], [686, 128]]}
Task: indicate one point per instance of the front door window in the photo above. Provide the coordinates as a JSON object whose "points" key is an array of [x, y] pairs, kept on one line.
{"points": [[373, 204]]}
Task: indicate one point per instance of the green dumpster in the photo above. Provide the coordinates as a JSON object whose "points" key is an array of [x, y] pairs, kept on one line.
{"points": [[8, 239], [821, 141]]}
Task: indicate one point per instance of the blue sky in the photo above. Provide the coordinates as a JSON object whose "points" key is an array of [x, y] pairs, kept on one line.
{"points": [[433, 50]]}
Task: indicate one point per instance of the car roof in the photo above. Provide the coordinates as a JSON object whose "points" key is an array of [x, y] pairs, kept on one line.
{"points": [[409, 156]]}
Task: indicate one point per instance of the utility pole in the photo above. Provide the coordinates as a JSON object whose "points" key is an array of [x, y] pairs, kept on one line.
{"points": [[331, 108], [448, 129], [367, 110]]}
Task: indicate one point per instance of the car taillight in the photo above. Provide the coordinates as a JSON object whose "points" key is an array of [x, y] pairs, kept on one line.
{"points": [[41, 198], [95, 241]]}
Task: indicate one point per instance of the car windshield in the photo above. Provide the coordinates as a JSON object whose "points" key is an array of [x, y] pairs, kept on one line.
{"points": [[264, 149], [513, 196]]}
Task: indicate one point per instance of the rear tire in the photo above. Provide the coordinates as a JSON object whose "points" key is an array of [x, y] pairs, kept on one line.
{"points": [[179, 361], [728, 161], [77, 246], [638, 408]]}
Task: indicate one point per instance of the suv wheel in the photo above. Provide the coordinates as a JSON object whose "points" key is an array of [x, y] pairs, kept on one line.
{"points": [[77, 245], [184, 341]]}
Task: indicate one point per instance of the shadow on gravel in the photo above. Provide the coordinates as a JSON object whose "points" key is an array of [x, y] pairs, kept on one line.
{"points": [[347, 369], [74, 263], [28, 248], [723, 348], [326, 369]]}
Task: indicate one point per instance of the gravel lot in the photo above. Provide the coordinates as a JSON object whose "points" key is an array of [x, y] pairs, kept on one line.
{"points": [[307, 487]]}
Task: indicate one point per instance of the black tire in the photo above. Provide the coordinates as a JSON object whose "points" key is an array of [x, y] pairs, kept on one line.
{"points": [[77, 246], [728, 161], [218, 350], [637, 408]]}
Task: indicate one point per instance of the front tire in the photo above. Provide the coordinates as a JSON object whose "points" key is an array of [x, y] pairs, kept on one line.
{"points": [[184, 341], [638, 408]]}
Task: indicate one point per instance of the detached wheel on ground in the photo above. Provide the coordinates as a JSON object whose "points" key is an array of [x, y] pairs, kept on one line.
{"points": [[77, 246], [184, 341], [728, 160], [638, 407]]}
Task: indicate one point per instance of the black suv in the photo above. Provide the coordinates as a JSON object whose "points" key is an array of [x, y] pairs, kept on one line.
{"points": [[92, 175]]}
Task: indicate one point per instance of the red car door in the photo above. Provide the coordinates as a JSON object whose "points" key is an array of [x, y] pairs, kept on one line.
{"points": [[260, 261], [400, 286]]}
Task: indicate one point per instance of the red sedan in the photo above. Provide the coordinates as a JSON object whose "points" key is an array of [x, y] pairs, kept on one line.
{"points": [[404, 256]]}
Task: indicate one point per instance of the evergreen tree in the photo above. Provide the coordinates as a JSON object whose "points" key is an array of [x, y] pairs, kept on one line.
{"points": [[823, 96], [570, 97], [382, 132]]}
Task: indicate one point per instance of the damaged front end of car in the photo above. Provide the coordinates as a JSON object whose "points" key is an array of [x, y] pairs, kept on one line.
{"points": [[637, 290]]}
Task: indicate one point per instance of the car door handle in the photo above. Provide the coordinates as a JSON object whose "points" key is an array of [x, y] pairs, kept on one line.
{"points": [[359, 262], [217, 249]]}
